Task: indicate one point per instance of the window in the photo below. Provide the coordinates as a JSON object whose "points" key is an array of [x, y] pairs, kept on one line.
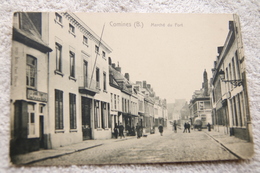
{"points": [[58, 109], [41, 108], [96, 49], [31, 71], [115, 100], [72, 64], [71, 29], [97, 77], [118, 101], [111, 101], [85, 40], [58, 57], [238, 65], [103, 54], [72, 98], [201, 105], [58, 18], [104, 82], [85, 74]]}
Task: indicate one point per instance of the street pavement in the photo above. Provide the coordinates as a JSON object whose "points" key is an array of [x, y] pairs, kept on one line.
{"points": [[171, 147]]}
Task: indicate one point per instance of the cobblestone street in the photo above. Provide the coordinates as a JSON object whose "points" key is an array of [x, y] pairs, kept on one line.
{"points": [[171, 147]]}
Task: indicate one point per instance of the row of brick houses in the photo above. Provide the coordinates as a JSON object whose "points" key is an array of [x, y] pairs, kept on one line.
{"points": [[224, 104], [65, 88]]}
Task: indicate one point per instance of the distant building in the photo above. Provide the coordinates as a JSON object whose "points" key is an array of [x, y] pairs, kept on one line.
{"points": [[200, 103]]}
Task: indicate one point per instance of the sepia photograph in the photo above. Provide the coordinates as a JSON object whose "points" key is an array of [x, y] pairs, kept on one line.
{"points": [[127, 88]]}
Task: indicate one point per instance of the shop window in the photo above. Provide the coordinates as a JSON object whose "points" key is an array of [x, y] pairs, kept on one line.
{"points": [[31, 117]]}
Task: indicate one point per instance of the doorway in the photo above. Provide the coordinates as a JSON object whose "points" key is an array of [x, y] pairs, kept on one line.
{"points": [[86, 118], [41, 130]]}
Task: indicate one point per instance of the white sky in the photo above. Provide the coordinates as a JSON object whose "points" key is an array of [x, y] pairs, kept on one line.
{"points": [[171, 59]]}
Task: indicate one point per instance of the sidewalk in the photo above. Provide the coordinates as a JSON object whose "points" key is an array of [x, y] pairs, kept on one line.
{"points": [[240, 148], [28, 158]]}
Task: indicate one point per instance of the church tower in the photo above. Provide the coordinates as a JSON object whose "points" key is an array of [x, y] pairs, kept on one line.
{"points": [[205, 83]]}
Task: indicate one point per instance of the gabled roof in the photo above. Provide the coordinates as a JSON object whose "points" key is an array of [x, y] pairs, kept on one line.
{"points": [[29, 35]]}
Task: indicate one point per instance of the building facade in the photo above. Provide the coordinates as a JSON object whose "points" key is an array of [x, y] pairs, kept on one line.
{"points": [[29, 84], [229, 95]]}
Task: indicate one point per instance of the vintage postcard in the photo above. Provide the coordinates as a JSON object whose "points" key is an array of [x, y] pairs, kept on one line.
{"points": [[109, 88]]}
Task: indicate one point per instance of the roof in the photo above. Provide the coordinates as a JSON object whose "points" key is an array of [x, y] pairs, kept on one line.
{"points": [[29, 35]]}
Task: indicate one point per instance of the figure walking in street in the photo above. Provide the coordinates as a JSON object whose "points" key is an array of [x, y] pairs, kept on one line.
{"points": [[188, 126], [175, 127], [139, 130], [160, 129], [209, 127], [121, 131], [116, 131], [185, 128]]}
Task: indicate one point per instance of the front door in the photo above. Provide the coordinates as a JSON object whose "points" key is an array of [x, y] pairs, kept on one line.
{"points": [[41, 131], [86, 113]]}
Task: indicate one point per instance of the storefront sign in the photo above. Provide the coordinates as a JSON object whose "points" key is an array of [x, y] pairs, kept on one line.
{"points": [[37, 95]]}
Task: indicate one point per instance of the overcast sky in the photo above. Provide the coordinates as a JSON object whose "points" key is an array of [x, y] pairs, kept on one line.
{"points": [[171, 58]]}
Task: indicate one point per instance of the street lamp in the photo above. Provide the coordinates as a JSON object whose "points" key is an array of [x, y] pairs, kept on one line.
{"points": [[236, 83]]}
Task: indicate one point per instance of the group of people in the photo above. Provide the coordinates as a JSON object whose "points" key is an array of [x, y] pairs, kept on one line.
{"points": [[186, 127], [139, 130], [121, 130]]}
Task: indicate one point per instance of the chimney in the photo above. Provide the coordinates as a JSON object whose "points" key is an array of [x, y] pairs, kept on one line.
{"points": [[127, 76], [148, 86], [118, 68], [220, 50], [144, 84], [114, 65], [109, 61]]}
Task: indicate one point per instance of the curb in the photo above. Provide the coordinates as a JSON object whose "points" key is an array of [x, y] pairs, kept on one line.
{"points": [[240, 158], [59, 155]]}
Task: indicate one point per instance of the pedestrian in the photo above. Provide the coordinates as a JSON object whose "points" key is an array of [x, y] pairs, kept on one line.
{"points": [[185, 128], [116, 131], [121, 131], [209, 127], [138, 131], [160, 129], [175, 127], [188, 126]]}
